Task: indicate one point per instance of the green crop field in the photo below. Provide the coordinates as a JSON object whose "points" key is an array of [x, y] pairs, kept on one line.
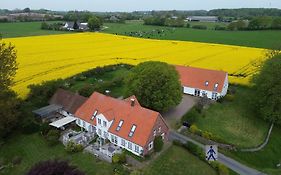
{"points": [[20, 29], [260, 39]]}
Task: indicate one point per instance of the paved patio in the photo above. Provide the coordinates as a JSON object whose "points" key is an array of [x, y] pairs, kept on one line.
{"points": [[173, 115]]}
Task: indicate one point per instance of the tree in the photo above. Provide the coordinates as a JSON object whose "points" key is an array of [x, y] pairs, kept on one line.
{"points": [[8, 65], [27, 10], [158, 144], [94, 23], [155, 84], [54, 167], [267, 88], [9, 103], [276, 23], [75, 25]]}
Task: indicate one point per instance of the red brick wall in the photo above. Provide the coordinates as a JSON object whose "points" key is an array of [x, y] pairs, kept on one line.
{"points": [[164, 129]]}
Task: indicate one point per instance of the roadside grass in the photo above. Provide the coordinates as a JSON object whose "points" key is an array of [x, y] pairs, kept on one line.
{"points": [[178, 161], [33, 148], [116, 91], [234, 121], [21, 29], [260, 39], [265, 159]]}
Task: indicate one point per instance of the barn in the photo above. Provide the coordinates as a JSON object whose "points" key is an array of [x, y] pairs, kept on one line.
{"points": [[203, 82]]}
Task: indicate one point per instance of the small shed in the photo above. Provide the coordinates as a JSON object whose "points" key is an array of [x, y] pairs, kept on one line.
{"points": [[47, 112]]}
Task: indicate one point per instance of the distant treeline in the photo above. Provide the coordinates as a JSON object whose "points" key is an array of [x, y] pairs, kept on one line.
{"points": [[245, 12], [162, 21]]}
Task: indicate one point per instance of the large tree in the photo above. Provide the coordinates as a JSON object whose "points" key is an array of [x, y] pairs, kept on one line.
{"points": [[156, 85], [267, 88], [8, 99], [94, 23]]}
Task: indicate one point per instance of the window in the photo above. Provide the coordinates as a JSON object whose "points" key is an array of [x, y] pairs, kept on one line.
{"points": [[132, 130], [84, 124], [150, 146], [214, 95], [99, 131], [163, 136], [115, 140], [154, 132], [206, 83], [104, 123], [130, 145], [159, 130], [137, 149], [105, 134], [112, 138], [123, 142], [79, 122], [99, 121], [119, 125], [197, 92]]}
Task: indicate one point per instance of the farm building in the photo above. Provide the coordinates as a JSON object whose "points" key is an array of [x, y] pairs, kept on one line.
{"points": [[124, 123], [76, 26], [203, 82], [203, 18]]}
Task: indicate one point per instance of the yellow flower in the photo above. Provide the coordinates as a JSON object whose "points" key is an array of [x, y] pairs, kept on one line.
{"points": [[50, 57]]}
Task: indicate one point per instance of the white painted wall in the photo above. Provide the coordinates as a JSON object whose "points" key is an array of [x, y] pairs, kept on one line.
{"points": [[87, 126], [104, 129], [126, 146], [225, 86]]}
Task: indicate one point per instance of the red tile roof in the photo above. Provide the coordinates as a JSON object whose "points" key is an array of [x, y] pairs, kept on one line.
{"points": [[116, 110], [197, 78]]}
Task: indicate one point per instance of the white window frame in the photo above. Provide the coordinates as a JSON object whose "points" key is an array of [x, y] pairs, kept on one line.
{"points": [[150, 146], [154, 132], [123, 142], [159, 129], [130, 145]]}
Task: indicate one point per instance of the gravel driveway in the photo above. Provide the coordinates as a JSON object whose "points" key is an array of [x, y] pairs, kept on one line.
{"points": [[173, 115]]}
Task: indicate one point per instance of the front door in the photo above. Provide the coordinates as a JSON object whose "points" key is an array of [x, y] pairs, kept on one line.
{"points": [[197, 92]]}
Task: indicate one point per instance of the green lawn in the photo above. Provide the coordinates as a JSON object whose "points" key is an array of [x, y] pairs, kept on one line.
{"points": [[21, 29], [266, 159], [178, 161], [115, 91], [33, 148], [233, 121], [261, 39]]}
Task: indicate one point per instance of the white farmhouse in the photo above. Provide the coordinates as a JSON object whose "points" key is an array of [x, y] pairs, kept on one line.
{"points": [[203, 82]]}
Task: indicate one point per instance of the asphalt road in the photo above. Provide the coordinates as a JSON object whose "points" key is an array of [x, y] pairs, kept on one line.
{"points": [[227, 161]]}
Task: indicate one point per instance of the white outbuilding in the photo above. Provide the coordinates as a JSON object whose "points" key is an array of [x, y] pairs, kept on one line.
{"points": [[203, 82]]}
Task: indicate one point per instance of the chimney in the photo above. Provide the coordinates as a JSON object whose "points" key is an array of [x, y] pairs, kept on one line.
{"points": [[107, 92], [132, 102]]}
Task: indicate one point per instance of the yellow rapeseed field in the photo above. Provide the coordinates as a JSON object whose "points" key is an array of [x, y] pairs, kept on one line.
{"points": [[50, 57]]}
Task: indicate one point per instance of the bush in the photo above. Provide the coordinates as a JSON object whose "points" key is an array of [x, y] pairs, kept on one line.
{"points": [[193, 129], [187, 25], [229, 97], [30, 126], [71, 147], [177, 143], [222, 169], [158, 144], [52, 137], [119, 158], [218, 27], [201, 27], [191, 116], [195, 150], [207, 135], [45, 128]]}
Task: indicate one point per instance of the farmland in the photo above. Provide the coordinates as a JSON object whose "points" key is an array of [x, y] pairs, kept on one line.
{"points": [[44, 58], [19, 29]]}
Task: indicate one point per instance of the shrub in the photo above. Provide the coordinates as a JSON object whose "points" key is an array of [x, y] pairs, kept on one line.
{"points": [[177, 143], [218, 27], [187, 25], [158, 144], [207, 135], [222, 169], [71, 147], [119, 158], [195, 150], [30, 126], [136, 172], [53, 137], [191, 116], [202, 27], [45, 128], [193, 129], [86, 90]]}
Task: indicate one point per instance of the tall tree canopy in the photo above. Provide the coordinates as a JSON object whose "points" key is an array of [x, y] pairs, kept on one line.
{"points": [[8, 99], [155, 84], [94, 23], [267, 88], [8, 65]]}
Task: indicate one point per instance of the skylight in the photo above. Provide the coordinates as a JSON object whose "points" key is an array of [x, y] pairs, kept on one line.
{"points": [[119, 125], [216, 86], [94, 115], [206, 83], [132, 130]]}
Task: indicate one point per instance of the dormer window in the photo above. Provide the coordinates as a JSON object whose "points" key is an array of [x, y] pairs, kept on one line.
{"points": [[206, 83], [119, 125], [94, 115], [216, 86], [132, 131]]}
